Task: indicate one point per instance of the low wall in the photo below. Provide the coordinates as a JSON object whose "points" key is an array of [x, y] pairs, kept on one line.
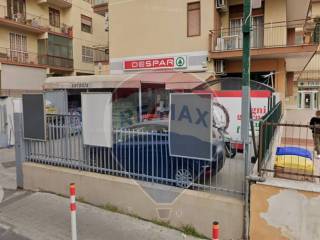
{"points": [[198, 209], [284, 209]]}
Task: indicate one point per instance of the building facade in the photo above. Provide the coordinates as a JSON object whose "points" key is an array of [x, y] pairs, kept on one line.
{"points": [[283, 43], [49, 38], [206, 35], [157, 30]]}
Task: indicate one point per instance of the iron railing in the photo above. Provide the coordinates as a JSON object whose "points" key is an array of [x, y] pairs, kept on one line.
{"points": [[18, 56], [266, 133], [264, 35], [140, 155], [293, 154], [31, 20], [58, 62]]}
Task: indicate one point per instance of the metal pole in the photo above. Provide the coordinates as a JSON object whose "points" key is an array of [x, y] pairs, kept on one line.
{"points": [[73, 210], [245, 119], [19, 148], [140, 103]]}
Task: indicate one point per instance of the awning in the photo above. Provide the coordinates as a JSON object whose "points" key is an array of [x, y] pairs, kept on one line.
{"points": [[171, 80]]}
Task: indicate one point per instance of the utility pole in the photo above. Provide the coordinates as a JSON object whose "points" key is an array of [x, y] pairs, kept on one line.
{"points": [[245, 113]]}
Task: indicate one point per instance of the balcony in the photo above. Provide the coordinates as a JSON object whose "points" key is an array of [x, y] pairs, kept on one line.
{"points": [[57, 63], [101, 55], [25, 22], [63, 30], [32, 23], [57, 3], [277, 39], [17, 57], [100, 6]]}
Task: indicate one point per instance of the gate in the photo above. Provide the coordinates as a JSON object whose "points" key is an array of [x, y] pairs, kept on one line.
{"points": [[3, 126]]}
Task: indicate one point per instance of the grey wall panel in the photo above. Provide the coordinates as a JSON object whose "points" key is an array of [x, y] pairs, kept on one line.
{"points": [[190, 126], [34, 116]]}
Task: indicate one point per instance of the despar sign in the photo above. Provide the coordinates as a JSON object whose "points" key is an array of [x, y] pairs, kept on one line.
{"points": [[190, 128], [156, 63]]}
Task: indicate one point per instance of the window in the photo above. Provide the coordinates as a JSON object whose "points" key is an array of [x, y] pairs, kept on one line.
{"points": [[86, 24], [194, 19], [17, 10], [18, 47], [87, 54], [54, 17]]}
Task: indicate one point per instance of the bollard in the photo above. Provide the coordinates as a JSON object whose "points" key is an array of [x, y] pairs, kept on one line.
{"points": [[215, 231], [73, 209]]}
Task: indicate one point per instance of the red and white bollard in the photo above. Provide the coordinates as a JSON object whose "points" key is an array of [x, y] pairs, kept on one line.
{"points": [[215, 231], [73, 209]]}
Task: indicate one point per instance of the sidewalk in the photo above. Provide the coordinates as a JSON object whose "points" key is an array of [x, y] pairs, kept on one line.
{"points": [[43, 216]]}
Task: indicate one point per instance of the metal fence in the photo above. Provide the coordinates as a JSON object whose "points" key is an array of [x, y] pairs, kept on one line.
{"points": [[294, 154], [264, 35], [266, 134], [135, 154]]}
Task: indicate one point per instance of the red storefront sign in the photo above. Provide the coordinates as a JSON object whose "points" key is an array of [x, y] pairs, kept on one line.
{"points": [[155, 63]]}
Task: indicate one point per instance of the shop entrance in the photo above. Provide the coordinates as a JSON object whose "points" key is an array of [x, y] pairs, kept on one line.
{"points": [[308, 99]]}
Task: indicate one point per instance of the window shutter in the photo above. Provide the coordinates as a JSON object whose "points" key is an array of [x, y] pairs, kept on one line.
{"points": [[194, 19]]}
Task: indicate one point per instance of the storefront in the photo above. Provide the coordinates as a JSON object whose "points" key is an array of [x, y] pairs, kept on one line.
{"points": [[308, 95], [136, 97]]}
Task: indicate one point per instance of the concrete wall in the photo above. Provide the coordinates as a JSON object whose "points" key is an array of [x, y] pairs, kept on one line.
{"points": [[21, 77], [282, 210], [150, 27], [199, 209]]}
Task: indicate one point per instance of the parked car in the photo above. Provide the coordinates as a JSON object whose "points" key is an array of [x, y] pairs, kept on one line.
{"points": [[143, 150]]}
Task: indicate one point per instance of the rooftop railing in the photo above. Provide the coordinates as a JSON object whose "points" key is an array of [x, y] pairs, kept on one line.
{"points": [[264, 35]]}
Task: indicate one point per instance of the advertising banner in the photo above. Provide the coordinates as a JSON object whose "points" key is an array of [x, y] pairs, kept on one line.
{"points": [[97, 119], [227, 110], [190, 126], [34, 117]]}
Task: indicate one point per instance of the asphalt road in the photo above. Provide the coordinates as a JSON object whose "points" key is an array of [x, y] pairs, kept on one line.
{"points": [[42, 216]]}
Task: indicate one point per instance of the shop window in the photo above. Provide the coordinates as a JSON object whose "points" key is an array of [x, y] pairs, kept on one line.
{"points": [[54, 17], [86, 24], [87, 54], [194, 19]]}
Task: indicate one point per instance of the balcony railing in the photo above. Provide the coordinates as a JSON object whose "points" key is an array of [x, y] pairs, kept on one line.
{"points": [[267, 35], [18, 56], [56, 62], [24, 57], [101, 56], [32, 22], [58, 3], [99, 2]]}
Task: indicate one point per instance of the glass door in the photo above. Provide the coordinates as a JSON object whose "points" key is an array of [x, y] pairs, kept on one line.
{"points": [[234, 41], [257, 32]]}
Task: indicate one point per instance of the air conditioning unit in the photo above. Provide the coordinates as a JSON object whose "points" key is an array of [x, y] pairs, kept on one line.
{"points": [[219, 67], [220, 44], [221, 4], [228, 43]]}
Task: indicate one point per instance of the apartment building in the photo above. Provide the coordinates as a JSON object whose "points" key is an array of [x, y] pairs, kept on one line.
{"points": [[159, 30], [284, 39], [207, 35], [40, 38]]}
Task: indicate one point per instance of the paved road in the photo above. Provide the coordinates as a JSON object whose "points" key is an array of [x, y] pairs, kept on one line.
{"points": [[43, 216]]}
